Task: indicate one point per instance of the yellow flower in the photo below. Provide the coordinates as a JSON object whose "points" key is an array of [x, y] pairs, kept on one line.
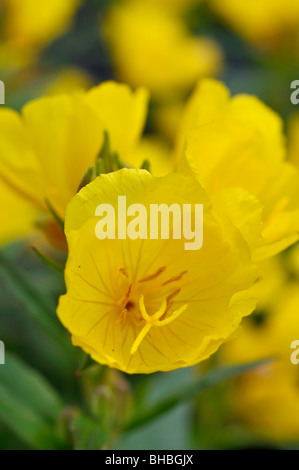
{"points": [[47, 149], [29, 25], [266, 22], [146, 305], [267, 399], [235, 147], [151, 47], [271, 280]]}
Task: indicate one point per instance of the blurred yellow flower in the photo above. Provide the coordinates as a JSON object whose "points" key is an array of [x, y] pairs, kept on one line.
{"points": [[47, 149], [268, 399], [236, 148], [148, 305], [29, 25], [151, 47], [272, 278], [266, 22]]}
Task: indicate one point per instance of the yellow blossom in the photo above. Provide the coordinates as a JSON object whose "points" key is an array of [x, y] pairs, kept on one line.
{"points": [[146, 305], [267, 399], [266, 22], [272, 278], [29, 25], [47, 149], [236, 148], [151, 47]]}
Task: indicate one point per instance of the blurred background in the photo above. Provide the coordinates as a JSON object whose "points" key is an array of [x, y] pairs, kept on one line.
{"points": [[52, 47]]}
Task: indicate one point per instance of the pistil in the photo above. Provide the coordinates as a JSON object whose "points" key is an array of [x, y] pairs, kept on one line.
{"points": [[154, 320]]}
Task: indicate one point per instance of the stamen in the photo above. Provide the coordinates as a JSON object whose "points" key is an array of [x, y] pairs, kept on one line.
{"points": [[175, 315], [170, 302], [154, 320], [124, 272], [123, 315], [123, 301], [171, 296], [153, 276], [175, 278]]}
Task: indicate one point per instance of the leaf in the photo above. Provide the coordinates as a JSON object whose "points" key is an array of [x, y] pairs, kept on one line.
{"points": [[105, 156], [85, 362], [117, 162], [49, 262], [188, 392], [30, 407], [55, 215], [146, 166], [37, 305], [87, 177], [100, 167]]}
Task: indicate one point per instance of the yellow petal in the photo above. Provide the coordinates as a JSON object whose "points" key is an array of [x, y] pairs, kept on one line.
{"points": [[18, 214], [122, 112], [30, 23]]}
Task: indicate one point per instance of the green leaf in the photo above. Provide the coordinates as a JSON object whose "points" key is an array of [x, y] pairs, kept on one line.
{"points": [[49, 262], [87, 178], [39, 307], [30, 407], [117, 162], [105, 156], [146, 166], [188, 392], [84, 363], [55, 215], [100, 167]]}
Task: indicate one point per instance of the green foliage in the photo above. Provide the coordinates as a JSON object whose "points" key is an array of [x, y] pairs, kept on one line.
{"points": [[28, 404]]}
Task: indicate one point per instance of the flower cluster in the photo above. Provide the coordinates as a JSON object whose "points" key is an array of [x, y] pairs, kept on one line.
{"points": [[149, 150], [145, 305]]}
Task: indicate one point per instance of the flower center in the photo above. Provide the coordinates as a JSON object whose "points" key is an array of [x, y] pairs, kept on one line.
{"points": [[154, 320], [132, 304]]}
